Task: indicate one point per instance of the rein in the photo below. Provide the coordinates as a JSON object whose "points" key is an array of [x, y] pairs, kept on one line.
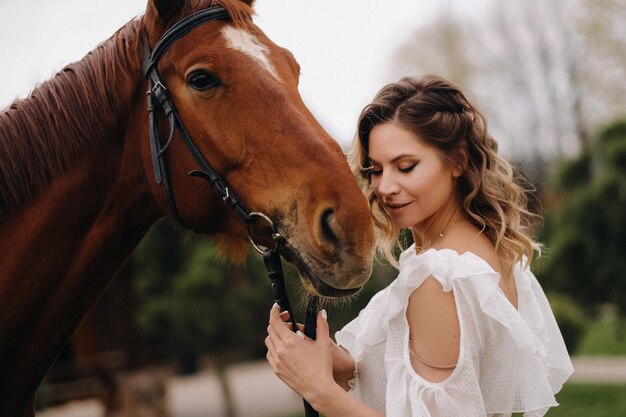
{"points": [[159, 98]]}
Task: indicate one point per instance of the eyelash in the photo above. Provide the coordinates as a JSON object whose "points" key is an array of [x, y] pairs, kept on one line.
{"points": [[406, 170]]}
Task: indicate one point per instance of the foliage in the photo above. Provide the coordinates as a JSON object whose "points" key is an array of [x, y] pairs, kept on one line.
{"points": [[601, 338], [587, 234], [191, 303], [571, 320], [546, 74]]}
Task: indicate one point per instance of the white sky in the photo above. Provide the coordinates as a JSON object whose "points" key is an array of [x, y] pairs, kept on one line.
{"points": [[342, 46]]}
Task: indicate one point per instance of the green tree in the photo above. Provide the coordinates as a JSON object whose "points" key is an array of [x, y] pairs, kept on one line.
{"points": [[586, 236], [191, 303]]}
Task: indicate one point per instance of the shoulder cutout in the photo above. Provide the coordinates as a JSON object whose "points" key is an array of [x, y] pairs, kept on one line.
{"points": [[434, 328]]}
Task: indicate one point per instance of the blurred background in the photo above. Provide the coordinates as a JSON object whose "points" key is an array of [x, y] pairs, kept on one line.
{"points": [[180, 334]]}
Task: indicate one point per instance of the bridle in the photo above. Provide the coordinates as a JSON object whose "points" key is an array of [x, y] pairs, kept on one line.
{"points": [[159, 98]]}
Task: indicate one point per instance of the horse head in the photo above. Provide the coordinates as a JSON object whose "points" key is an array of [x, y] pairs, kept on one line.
{"points": [[236, 92]]}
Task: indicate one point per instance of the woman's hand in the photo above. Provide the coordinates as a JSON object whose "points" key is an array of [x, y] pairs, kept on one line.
{"points": [[343, 364], [305, 365]]}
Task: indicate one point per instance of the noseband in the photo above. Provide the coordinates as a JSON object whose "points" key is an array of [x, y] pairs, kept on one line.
{"points": [[159, 98]]}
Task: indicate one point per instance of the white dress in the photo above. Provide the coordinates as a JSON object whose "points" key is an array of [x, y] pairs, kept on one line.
{"points": [[510, 360]]}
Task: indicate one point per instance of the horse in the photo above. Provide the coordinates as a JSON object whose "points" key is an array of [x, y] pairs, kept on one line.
{"points": [[78, 189]]}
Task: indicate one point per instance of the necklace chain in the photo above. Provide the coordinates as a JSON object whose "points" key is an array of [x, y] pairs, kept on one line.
{"points": [[429, 244], [419, 358]]}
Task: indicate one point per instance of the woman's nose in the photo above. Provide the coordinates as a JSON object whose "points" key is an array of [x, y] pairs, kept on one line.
{"points": [[387, 185]]}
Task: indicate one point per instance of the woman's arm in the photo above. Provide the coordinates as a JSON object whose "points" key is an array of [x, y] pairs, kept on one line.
{"points": [[336, 402], [343, 366], [435, 333], [306, 366]]}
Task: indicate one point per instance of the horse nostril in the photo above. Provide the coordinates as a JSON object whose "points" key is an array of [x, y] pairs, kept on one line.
{"points": [[327, 231]]}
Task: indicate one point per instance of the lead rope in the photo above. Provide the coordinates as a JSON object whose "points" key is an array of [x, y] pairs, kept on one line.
{"points": [[277, 280], [310, 330]]}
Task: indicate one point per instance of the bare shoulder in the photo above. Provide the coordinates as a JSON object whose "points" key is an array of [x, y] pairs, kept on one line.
{"points": [[466, 237]]}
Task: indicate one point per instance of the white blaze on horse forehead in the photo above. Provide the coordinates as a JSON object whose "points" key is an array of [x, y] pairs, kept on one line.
{"points": [[243, 41]]}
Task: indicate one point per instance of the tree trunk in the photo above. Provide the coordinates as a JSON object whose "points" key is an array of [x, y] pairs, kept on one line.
{"points": [[229, 404]]}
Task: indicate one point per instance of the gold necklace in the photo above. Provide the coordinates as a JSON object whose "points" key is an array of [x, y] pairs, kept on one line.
{"points": [[428, 244]]}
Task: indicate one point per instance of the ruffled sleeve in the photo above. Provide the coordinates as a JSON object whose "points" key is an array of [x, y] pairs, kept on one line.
{"points": [[510, 360], [525, 361]]}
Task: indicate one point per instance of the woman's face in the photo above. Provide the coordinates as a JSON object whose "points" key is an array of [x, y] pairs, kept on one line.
{"points": [[409, 177]]}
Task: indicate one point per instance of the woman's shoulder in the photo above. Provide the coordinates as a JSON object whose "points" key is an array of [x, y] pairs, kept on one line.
{"points": [[446, 264], [465, 238], [464, 252]]}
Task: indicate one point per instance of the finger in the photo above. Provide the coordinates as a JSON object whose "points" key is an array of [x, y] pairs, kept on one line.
{"points": [[274, 310], [323, 331], [285, 316], [290, 326], [269, 344], [276, 326], [277, 371], [274, 314], [271, 311]]}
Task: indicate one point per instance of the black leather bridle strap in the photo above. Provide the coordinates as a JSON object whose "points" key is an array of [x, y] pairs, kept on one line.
{"points": [[275, 272], [159, 98], [180, 29], [277, 280]]}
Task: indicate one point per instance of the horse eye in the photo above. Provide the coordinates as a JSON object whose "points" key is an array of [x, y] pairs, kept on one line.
{"points": [[202, 80]]}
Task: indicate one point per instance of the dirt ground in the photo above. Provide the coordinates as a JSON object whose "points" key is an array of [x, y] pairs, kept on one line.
{"points": [[257, 392]]}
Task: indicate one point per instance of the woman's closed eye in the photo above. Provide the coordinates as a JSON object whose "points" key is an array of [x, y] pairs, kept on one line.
{"points": [[407, 169], [375, 172]]}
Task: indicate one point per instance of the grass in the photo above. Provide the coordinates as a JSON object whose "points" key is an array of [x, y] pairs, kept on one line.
{"points": [[584, 400], [601, 339]]}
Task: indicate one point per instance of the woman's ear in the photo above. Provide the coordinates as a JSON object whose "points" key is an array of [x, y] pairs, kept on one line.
{"points": [[460, 158]]}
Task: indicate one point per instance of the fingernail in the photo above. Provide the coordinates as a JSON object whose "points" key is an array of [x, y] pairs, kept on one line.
{"points": [[300, 334], [275, 305], [323, 312]]}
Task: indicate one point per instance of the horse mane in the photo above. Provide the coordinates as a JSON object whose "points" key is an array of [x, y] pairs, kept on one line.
{"points": [[42, 134]]}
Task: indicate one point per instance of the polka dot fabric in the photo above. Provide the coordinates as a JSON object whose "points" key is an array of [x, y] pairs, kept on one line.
{"points": [[510, 360]]}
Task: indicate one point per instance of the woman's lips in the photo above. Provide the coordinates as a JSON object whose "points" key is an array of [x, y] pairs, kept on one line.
{"points": [[396, 208]]}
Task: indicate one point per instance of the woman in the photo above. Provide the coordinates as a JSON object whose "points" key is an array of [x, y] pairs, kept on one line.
{"points": [[465, 329]]}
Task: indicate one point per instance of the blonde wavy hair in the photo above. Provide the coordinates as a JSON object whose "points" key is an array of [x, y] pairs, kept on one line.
{"points": [[438, 112]]}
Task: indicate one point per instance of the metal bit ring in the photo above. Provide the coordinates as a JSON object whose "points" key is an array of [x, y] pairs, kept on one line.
{"points": [[276, 236]]}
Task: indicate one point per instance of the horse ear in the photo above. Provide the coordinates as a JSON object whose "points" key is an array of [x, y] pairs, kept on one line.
{"points": [[248, 2], [167, 8]]}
